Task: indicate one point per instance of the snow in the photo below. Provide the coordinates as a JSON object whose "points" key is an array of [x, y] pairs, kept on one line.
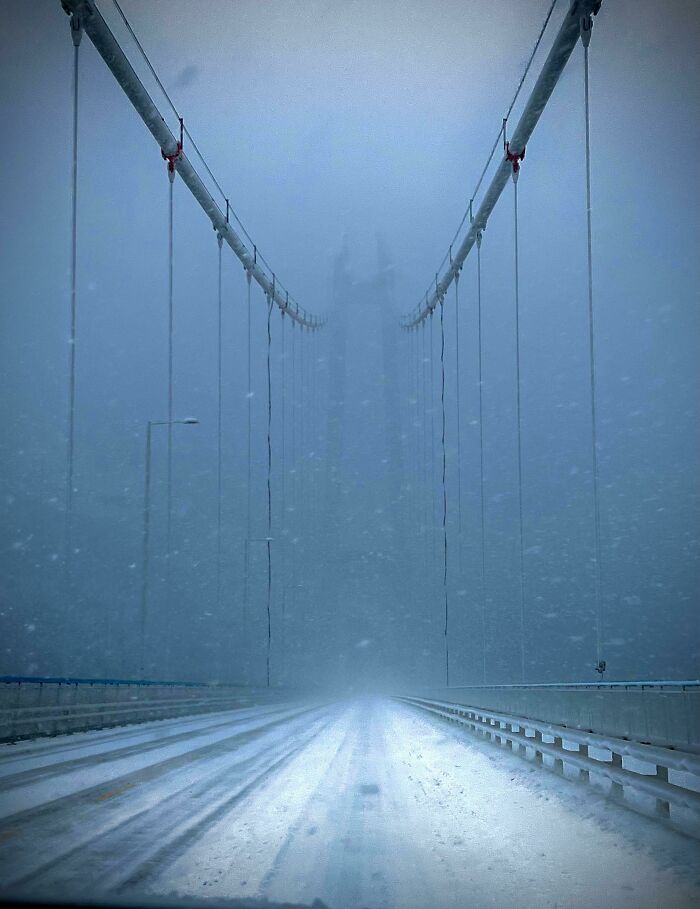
{"points": [[360, 804]]}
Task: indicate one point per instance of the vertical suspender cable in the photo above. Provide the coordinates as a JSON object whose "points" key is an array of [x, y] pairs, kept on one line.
{"points": [[586, 27], [444, 493], [269, 487], [169, 474], [481, 459], [302, 459], [249, 402], [427, 492], [433, 489], [519, 430], [314, 423], [459, 419], [293, 418], [416, 422], [76, 35], [220, 241], [283, 524]]}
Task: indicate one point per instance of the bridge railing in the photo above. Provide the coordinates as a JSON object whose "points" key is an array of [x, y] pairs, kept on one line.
{"points": [[33, 707], [657, 780], [664, 713]]}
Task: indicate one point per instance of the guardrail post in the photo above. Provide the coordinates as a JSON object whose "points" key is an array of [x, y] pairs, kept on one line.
{"points": [[558, 762], [509, 742], [522, 747], [616, 789], [583, 775], [663, 808], [538, 752]]}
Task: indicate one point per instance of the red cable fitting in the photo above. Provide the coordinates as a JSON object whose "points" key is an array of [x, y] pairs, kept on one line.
{"points": [[171, 159], [515, 158]]}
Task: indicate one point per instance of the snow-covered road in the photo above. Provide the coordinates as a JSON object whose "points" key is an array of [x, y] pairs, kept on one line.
{"points": [[365, 804]]}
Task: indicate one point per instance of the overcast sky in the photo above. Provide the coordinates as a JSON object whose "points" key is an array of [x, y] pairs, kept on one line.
{"points": [[333, 122]]}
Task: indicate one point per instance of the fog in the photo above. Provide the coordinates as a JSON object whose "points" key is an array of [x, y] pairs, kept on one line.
{"points": [[348, 138]]}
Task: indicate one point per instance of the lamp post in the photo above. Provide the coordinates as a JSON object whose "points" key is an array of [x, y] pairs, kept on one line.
{"points": [[188, 421]]}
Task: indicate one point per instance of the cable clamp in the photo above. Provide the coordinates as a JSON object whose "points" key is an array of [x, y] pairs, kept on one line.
{"points": [[76, 29], [586, 29], [515, 158], [172, 159]]}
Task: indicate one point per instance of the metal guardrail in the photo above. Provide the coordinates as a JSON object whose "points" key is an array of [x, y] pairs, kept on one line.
{"points": [[663, 713], [664, 684], [627, 765], [31, 707]]}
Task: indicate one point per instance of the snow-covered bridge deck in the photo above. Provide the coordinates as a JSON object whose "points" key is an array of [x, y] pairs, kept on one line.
{"points": [[370, 803]]}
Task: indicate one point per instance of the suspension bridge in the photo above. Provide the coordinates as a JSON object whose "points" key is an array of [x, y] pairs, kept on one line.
{"points": [[186, 745]]}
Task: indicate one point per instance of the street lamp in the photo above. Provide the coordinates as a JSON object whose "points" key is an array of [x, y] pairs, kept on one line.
{"points": [[187, 421]]}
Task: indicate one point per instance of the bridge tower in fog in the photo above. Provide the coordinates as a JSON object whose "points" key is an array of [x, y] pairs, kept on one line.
{"points": [[355, 300]]}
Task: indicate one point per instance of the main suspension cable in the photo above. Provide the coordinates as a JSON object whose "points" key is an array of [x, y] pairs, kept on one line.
{"points": [[501, 133], [294, 310]]}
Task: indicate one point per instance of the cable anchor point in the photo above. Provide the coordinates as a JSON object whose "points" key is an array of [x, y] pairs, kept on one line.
{"points": [[586, 29], [76, 29], [177, 154], [515, 159]]}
